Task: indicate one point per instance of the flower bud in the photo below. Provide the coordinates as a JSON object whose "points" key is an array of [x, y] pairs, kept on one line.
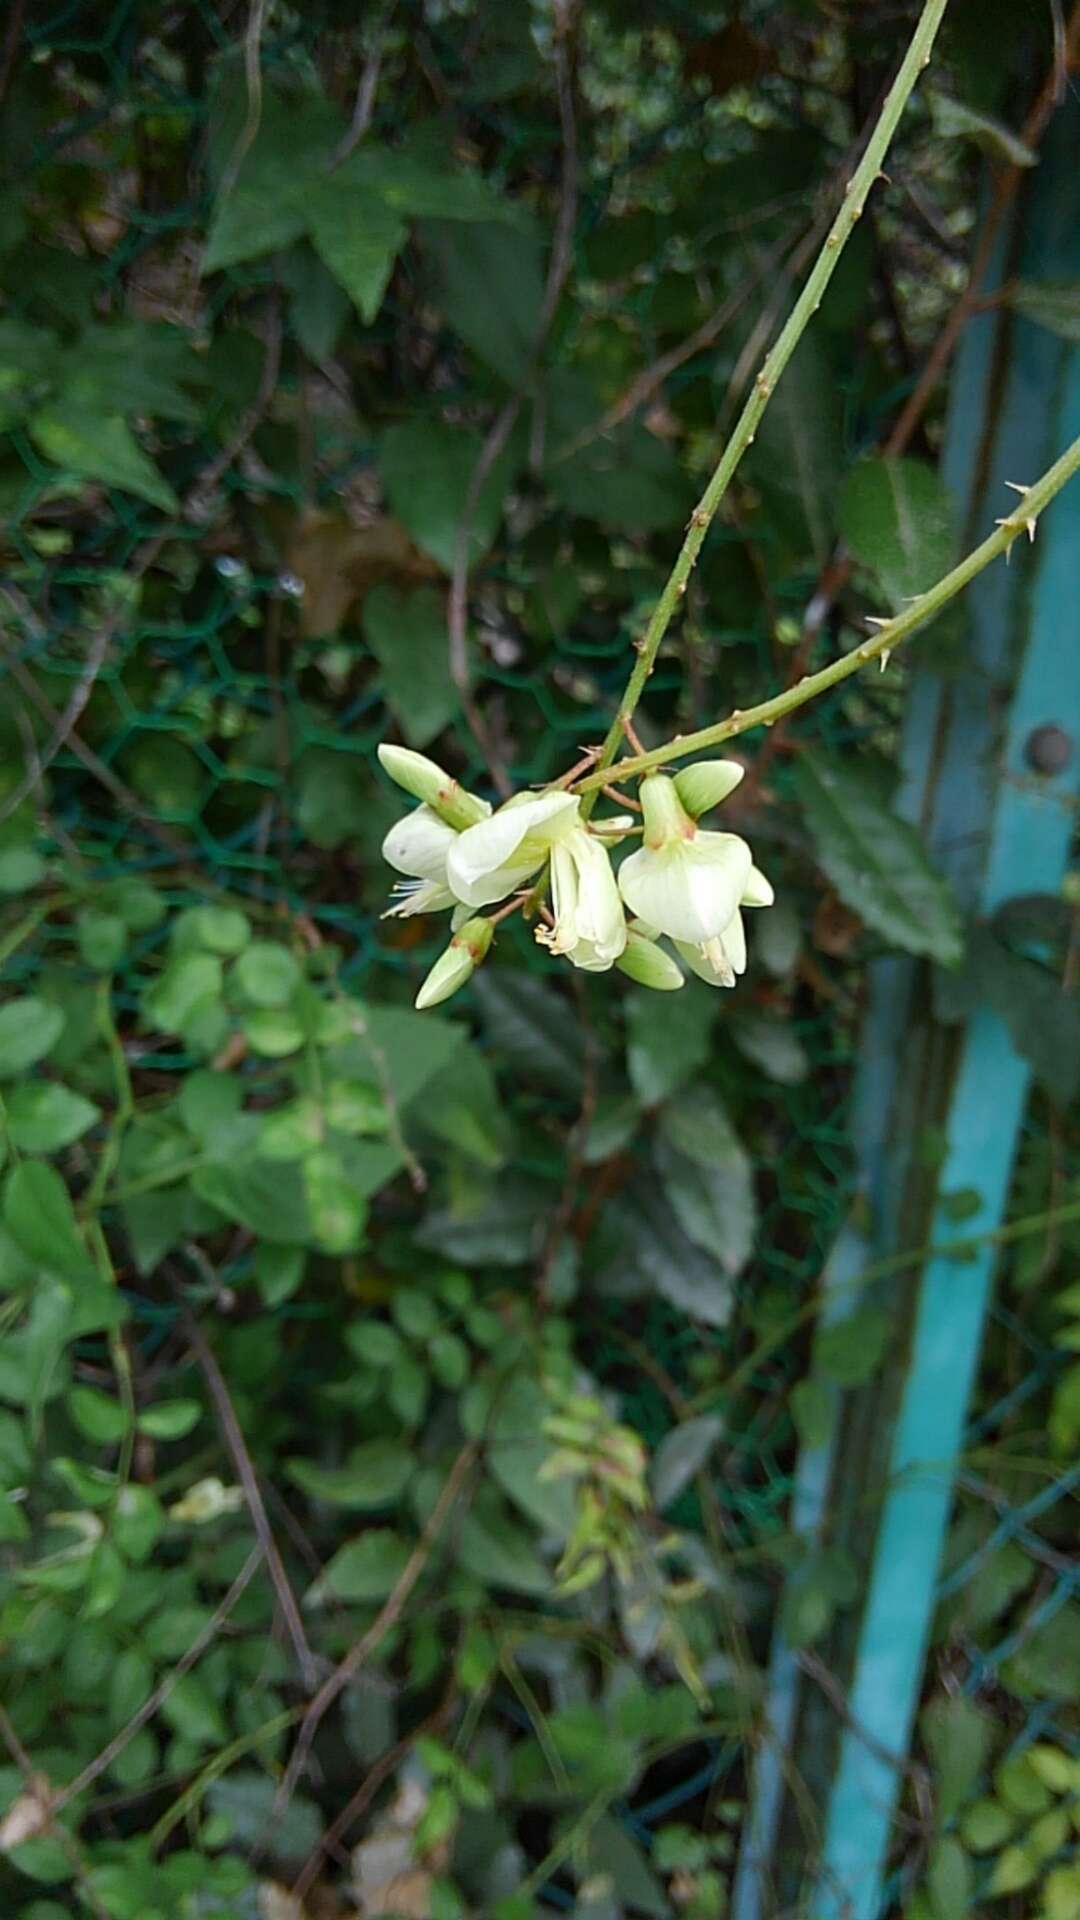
{"points": [[429, 782], [666, 819], [706, 784], [649, 965], [457, 965]]}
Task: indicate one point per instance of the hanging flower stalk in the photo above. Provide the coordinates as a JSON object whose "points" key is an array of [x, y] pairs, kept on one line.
{"points": [[684, 883]]}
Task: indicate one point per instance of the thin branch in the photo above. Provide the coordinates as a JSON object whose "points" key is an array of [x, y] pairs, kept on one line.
{"points": [[858, 187], [260, 1520], [364, 107], [253, 78], [387, 1618], [380, 1770], [150, 1706], [891, 634]]}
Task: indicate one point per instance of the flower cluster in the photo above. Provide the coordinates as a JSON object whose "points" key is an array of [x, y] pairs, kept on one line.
{"points": [[683, 883]]}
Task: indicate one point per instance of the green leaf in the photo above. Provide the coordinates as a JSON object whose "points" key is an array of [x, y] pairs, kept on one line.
{"points": [[958, 1739], [97, 1415], [102, 939], [708, 1176], [1042, 1015], [491, 290], [897, 518], [529, 1026], [985, 1826], [100, 446], [188, 981], [29, 1028], [170, 1419], [191, 1710], [375, 1474], [954, 121], [498, 1551], [267, 974], [357, 236], [668, 1042], [43, 1116], [337, 1208], [1053, 304], [427, 467], [407, 633], [516, 1451], [949, 1881], [366, 1569], [681, 1455], [876, 861], [851, 1349], [268, 205], [265, 1196], [650, 1253], [246, 1800], [771, 1043], [40, 1219], [318, 304]]}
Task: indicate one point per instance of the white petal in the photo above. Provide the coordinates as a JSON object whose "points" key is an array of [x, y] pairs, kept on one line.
{"points": [[758, 891], [481, 865], [600, 916], [733, 942], [701, 961], [418, 845], [689, 889]]}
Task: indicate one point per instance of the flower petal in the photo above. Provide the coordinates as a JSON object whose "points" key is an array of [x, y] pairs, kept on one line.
{"points": [[689, 889], [709, 966], [489, 860], [418, 845], [758, 892]]}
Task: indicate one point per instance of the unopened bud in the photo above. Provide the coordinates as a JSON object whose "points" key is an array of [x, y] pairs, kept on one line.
{"points": [[457, 965], [706, 784], [666, 818], [649, 965], [427, 781]]}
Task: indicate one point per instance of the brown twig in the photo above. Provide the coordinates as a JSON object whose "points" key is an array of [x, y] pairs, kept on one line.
{"points": [[381, 1770], [253, 78], [364, 106], [387, 1618], [260, 1519], [208, 1633]]}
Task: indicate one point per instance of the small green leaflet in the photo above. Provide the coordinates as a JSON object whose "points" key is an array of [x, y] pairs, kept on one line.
{"points": [[876, 861], [896, 517]]}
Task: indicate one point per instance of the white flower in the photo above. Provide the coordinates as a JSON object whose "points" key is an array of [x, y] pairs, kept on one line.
{"points": [[720, 960], [488, 861], [590, 926], [686, 882], [648, 963], [418, 846]]}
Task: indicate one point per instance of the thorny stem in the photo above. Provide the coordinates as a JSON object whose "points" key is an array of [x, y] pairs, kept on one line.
{"points": [[863, 178], [891, 635]]}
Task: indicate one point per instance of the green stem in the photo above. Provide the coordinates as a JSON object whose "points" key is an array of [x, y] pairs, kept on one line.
{"points": [[891, 635], [863, 178]]}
